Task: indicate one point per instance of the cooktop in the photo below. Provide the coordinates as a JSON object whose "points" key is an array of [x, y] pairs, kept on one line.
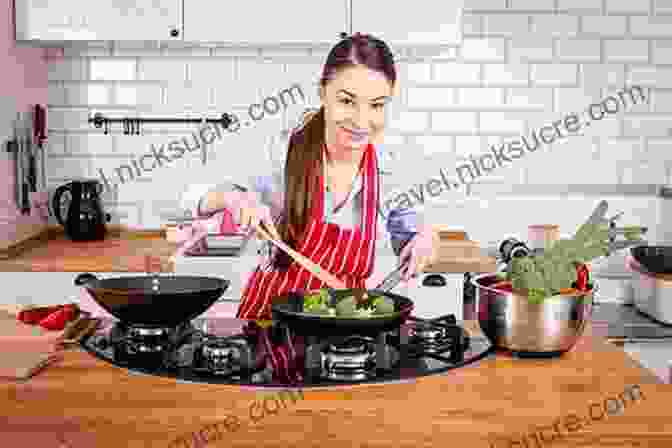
{"points": [[236, 351]]}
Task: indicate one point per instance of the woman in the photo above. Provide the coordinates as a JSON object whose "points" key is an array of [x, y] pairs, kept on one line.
{"points": [[326, 202]]}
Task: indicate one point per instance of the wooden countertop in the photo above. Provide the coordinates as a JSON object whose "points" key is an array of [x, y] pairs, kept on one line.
{"points": [[122, 251], [82, 402], [127, 250]]}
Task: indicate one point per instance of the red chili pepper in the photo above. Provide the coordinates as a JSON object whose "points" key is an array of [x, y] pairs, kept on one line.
{"points": [[582, 277], [34, 315], [71, 312], [55, 321]]}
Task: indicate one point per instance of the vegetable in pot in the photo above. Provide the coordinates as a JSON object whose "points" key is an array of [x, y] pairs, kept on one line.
{"points": [[546, 275]]}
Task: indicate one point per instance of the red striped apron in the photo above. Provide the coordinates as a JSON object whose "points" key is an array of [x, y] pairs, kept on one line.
{"points": [[346, 253]]}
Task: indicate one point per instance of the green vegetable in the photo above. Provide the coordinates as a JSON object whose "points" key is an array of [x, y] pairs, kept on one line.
{"points": [[319, 309], [317, 300], [544, 276], [346, 307], [383, 305]]}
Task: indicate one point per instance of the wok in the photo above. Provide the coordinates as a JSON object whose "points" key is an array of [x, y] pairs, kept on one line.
{"points": [[288, 308], [655, 259], [154, 301]]}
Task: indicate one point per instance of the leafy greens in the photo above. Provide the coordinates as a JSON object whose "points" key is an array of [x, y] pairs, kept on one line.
{"points": [[546, 275]]}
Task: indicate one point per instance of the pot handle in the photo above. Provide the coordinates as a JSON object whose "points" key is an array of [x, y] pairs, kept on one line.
{"points": [[434, 280], [84, 278], [56, 201]]}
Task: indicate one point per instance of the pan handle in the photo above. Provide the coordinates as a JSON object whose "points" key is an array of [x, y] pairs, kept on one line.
{"points": [[84, 278]]}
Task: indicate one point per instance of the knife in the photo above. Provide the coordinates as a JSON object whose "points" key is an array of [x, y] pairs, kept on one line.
{"points": [[25, 209], [19, 163]]}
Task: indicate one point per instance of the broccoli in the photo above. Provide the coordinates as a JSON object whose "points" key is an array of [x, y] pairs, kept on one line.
{"points": [[545, 275], [346, 307], [383, 305]]}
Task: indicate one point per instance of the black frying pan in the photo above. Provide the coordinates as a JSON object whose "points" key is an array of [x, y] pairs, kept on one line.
{"points": [[289, 309], [154, 301], [655, 259]]}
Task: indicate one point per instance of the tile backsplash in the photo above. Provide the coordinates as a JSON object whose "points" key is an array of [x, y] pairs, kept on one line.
{"points": [[521, 65]]}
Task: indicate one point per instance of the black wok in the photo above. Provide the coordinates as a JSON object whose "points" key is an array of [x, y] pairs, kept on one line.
{"points": [[288, 308], [655, 259], [154, 301]]}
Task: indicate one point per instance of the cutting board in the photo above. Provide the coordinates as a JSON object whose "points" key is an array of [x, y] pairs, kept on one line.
{"points": [[24, 349], [456, 254], [451, 249]]}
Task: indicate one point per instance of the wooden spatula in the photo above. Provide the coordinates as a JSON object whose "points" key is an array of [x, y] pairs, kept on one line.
{"points": [[330, 280]]}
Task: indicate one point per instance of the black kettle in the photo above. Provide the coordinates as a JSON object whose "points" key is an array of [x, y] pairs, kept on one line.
{"points": [[85, 219]]}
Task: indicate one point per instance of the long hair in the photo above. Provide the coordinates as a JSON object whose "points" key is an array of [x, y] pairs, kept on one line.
{"points": [[304, 155]]}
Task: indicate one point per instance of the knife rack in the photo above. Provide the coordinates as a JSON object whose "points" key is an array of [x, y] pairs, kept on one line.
{"points": [[131, 126]]}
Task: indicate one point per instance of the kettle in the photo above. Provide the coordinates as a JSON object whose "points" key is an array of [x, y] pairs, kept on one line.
{"points": [[85, 219]]}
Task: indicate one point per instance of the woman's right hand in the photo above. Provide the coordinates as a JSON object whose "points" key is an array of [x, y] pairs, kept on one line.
{"points": [[252, 213]]}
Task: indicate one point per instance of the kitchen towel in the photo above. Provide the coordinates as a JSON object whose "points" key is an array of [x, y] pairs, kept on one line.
{"points": [[25, 349], [192, 239]]}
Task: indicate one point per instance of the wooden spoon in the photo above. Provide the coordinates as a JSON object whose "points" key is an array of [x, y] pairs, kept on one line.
{"points": [[329, 279]]}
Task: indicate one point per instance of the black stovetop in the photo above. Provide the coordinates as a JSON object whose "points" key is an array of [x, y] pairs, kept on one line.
{"points": [[225, 351]]}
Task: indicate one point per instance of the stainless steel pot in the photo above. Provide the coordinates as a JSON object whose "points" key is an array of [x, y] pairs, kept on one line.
{"points": [[512, 322]]}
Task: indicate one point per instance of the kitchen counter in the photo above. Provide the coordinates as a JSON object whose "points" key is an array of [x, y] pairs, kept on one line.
{"points": [[626, 324], [83, 401], [127, 250], [122, 251]]}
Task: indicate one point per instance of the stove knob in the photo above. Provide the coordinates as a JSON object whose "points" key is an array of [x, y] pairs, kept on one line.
{"points": [[451, 320]]}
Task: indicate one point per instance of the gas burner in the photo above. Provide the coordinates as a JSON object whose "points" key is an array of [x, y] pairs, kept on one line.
{"points": [[224, 356], [353, 359], [219, 351], [438, 336], [138, 340]]}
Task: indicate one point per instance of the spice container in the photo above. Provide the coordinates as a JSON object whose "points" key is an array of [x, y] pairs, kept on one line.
{"points": [[542, 236]]}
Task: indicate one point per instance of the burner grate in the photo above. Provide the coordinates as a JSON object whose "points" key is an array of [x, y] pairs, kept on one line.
{"points": [[419, 347]]}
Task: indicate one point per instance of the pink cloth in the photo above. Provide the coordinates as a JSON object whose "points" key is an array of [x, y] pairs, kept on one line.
{"points": [[191, 238]]}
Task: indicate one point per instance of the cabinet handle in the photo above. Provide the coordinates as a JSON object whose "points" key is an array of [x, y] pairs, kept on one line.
{"points": [[174, 32]]}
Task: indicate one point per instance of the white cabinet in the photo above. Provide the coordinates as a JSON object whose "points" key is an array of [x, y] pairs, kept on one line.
{"points": [[655, 356], [421, 22], [86, 20], [265, 22]]}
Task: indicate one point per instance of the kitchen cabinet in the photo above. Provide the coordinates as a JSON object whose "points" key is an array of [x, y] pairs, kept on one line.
{"points": [[421, 22], [654, 355], [261, 22], [84, 20]]}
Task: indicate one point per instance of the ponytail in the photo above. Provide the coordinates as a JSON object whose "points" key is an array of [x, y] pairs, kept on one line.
{"points": [[302, 171]]}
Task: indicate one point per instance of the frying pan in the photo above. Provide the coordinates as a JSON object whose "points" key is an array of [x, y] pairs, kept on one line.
{"points": [[154, 301], [655, 259], [288, 308]]}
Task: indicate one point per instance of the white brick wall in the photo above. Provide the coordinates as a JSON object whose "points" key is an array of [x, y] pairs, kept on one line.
{"points": [[522, 64]]}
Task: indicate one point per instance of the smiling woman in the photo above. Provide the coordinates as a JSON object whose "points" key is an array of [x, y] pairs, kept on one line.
{"points": [[325, 202]]}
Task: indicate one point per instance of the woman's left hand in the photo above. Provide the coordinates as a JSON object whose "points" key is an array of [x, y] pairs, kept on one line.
{"points": [[420, 252]]}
